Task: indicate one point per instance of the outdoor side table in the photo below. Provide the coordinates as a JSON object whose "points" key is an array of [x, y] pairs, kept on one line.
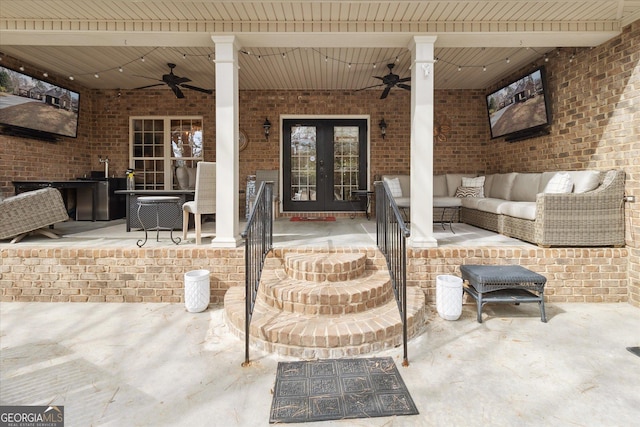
{"points": [[156, 202], [503, 284], [361, 196]]}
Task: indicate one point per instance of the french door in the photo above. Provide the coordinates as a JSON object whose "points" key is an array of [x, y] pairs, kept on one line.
{"points": [[324, 160]]}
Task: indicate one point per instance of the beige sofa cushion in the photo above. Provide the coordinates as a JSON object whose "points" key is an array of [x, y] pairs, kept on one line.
{"points": [[482, 204], [524, 210], [501, 186], [440, 186], [584, 181], [404, 200], [525, 187], [446, 202]]}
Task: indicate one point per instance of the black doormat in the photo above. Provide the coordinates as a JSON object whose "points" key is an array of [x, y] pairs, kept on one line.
{"points": [[634, 350], [335, 389]]}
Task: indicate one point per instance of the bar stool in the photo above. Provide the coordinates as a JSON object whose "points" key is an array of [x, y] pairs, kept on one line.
{"points": [[156, 202]]}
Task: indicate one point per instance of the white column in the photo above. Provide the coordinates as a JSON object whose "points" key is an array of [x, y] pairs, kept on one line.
{"points": [[227, 154], [421, 48]]}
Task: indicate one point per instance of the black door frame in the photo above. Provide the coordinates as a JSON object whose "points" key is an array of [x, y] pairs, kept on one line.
{"points": [[324, 145]]}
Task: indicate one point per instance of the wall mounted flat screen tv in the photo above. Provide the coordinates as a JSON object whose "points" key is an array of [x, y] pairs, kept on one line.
{"points": [[520, 109], [31, 107]]}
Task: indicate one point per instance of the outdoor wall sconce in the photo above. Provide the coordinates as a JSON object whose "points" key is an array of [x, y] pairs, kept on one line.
{"points": [[266, 125], [383, 128]]}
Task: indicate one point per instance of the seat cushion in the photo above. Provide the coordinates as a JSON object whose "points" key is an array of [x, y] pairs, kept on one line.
{"points": [[403, 202], [189, 207], [482, 204], [524, 210], [446, 202]]}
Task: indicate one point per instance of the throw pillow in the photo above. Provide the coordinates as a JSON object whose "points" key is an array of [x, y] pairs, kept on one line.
{"points": [[468, 191], [394, 186], [474, 182], [559, 183]]}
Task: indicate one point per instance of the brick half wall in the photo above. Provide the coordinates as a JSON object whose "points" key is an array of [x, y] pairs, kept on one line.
{"points": [[157, 275]]}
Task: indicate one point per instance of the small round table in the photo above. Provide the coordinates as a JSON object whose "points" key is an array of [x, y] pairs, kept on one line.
{"points": [[156, 202]]}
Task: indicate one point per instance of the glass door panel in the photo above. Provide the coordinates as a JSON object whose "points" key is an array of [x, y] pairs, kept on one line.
{"points": [[346, 166], [303, 158]]}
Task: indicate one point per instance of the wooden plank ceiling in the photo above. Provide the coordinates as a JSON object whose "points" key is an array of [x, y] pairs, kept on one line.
{"points": [[478, 42]]}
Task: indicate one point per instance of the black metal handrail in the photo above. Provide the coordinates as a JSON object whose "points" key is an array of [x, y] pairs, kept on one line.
{"points": [[258, 242], [391, 237]]}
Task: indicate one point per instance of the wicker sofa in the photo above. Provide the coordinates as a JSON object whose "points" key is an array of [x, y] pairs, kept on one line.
{"points": [[444, 192], [515, 204], [31, 212]]}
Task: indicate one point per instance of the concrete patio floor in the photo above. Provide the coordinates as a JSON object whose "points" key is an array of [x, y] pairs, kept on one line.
{"points": [[159, 365]]}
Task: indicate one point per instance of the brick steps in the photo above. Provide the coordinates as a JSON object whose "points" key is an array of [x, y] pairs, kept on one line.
{"points": [[372, 289], [319, 319]]}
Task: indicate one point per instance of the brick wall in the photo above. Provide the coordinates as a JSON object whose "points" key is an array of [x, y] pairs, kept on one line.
{"points": [[573, 275], [114, 275], [596, 124], [157, 275]]}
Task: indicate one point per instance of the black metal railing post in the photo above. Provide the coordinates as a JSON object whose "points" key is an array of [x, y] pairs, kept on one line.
{"points": [[391, 238], [258, 242]]}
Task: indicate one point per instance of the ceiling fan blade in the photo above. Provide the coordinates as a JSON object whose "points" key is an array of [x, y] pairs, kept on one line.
{"points": [[404, 86], [378, 77], [144, 87], [406, 79], [199, 89], [177, 91], [369, 87], [181, 80], [385, 92]]}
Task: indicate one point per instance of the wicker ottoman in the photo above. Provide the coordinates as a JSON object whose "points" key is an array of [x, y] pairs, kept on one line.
{"points": [[505, 284]]}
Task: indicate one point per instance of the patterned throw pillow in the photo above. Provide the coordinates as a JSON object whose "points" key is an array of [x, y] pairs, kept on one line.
{"points": [[474, 182], [394, 186], [463, 191], [559, 183]]}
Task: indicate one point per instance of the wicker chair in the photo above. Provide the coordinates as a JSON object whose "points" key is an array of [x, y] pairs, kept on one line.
{"points": [[31, 212]]}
